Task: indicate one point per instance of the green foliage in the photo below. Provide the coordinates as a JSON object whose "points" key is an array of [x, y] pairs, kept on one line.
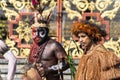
{"points": [[3, 30], [72, 65]]}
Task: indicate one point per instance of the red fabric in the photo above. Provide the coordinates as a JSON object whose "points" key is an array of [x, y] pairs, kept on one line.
{"points": [[33, 51], [36, 51]]}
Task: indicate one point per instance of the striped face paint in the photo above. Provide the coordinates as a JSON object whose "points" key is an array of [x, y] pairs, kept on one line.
{"points": [[38, 32]]}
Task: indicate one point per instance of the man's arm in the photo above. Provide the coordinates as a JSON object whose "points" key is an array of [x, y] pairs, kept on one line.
{"points": [[8, 55], [61, 55], [11, 64], [62, 65]]}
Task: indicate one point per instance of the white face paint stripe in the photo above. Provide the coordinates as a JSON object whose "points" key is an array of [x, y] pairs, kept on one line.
{"points": [[42, 33], [39, 32]]}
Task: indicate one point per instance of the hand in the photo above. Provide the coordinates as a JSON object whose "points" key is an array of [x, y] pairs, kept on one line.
{"points": [[40, 69]]}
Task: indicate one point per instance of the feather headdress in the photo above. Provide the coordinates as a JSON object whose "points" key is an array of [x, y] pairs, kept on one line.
{"points": [[39, 20]]}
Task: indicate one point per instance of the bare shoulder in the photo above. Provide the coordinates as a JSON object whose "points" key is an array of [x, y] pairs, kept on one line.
{"points": [[55, 44]]}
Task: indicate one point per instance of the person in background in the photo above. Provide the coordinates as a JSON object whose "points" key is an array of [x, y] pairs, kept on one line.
{"points": [[8, 55], [97, 63]]}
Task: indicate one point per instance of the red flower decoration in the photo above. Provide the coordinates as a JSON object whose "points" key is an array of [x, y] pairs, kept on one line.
{"points": [[34, 2]]}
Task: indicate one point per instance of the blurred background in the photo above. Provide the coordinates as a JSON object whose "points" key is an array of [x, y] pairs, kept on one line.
{"points": [[15, 26]]}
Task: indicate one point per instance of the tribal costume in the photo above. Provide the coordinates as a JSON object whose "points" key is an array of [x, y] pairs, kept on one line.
{"points": [[98, 64]]}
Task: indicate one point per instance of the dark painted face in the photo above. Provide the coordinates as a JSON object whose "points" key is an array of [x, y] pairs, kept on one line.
{"points": [[38, 34]]}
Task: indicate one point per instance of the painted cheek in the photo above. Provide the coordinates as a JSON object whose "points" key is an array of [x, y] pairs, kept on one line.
{"points": [[34, 33]]}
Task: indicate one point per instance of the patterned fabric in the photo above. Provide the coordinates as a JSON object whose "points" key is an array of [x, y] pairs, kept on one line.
{"points": [[98, 64], [36, 51]]}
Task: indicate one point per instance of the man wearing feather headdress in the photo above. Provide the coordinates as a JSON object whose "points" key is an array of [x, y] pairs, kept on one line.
{"points": [[47, 55]]}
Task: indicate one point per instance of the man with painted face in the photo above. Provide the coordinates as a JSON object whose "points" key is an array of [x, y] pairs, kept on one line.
{"points": [[47, 55], [97, 63]]}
